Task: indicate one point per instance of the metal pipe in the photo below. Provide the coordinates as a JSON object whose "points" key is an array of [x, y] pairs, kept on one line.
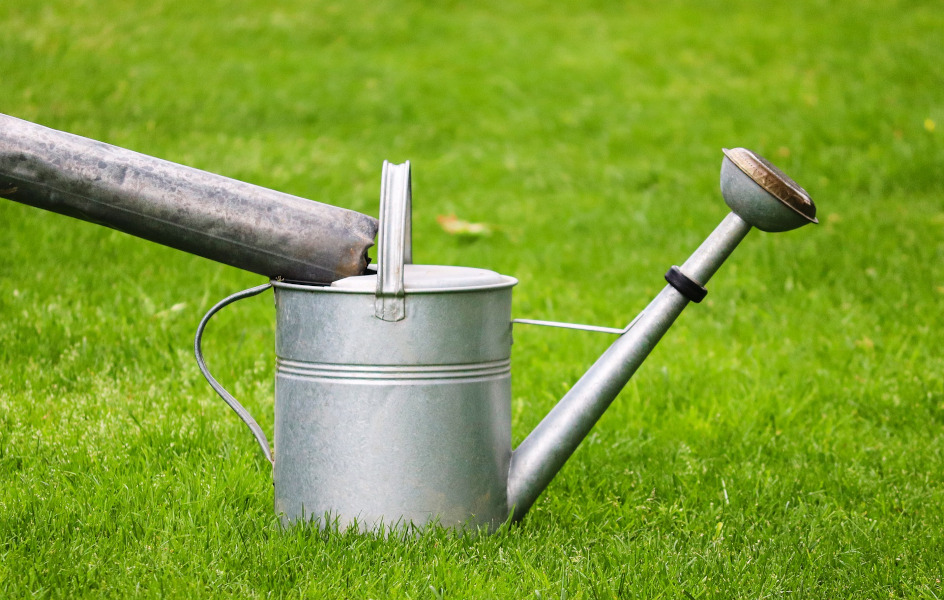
{"points": [[541, 455], [232, 222]]}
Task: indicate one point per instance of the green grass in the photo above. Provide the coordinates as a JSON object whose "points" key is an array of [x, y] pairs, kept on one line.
{"points": [[786, 439]]}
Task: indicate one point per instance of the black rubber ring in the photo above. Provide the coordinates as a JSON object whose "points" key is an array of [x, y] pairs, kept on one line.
{"points": [[685, 285]]}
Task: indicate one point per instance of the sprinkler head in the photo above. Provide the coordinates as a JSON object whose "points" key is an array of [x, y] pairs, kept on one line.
{"points": [[762, 194]]}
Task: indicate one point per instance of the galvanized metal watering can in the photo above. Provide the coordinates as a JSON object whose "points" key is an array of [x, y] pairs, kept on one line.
{"points": [[393, 388]]}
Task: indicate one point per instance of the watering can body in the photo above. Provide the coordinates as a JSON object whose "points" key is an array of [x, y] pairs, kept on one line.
{"points": [[392, 389], [391, 422]]}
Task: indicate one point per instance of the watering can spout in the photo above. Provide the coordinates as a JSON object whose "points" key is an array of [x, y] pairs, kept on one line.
{"points": [[759, 195]]}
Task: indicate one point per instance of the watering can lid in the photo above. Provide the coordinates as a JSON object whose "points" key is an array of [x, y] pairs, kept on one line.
{"points": [[432, 277]]}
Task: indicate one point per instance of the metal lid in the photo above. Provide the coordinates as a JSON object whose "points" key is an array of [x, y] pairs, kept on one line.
{"points": [[774, 181], [417, 278]]}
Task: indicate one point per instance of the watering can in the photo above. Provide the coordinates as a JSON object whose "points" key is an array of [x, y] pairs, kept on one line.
{"points": [[393, 388]]}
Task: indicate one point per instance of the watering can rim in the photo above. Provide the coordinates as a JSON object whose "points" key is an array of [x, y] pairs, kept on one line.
{"points": [[418, 279]]}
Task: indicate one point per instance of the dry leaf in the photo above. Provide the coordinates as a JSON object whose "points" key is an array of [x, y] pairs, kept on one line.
{"points": [[453, 225]]}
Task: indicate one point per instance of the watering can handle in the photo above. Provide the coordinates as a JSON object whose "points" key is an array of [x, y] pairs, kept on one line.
{"points": [[394, 243], [226, 396]]}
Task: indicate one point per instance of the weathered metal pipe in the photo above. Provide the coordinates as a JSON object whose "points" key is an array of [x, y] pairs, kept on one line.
{"points": [[232, 222]]}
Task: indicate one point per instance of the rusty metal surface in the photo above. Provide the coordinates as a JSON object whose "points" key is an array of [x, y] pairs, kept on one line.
{"points": [[774, 181], [235, 223]]}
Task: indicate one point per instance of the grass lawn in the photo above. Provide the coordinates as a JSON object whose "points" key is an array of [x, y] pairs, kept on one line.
{"points": [[785, 440]]}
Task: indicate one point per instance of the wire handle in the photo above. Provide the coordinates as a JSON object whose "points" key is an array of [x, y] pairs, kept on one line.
{"points": [[226, 396]]}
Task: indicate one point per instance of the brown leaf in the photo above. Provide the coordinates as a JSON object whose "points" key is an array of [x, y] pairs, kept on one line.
{"points": [[453, 225]]}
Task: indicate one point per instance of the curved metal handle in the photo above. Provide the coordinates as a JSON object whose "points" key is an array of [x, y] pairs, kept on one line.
{"points": [[226, 396], [394, 243]]}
